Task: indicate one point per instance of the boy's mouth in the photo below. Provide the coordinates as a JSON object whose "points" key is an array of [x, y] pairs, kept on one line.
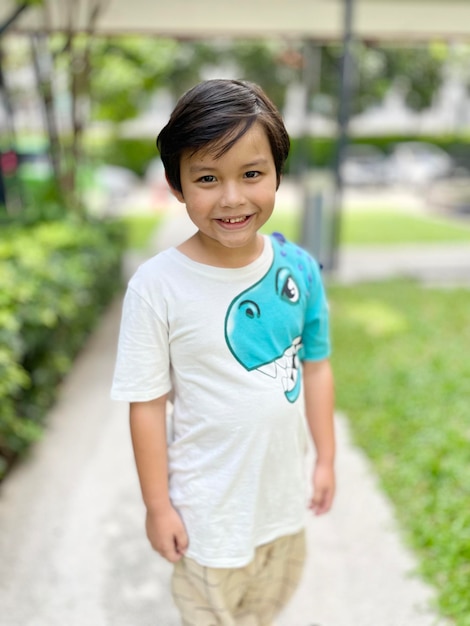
{"points": [[234, 220]]}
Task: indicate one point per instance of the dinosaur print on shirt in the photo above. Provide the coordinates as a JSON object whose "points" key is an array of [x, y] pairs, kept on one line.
{"points": [[264, 324]]}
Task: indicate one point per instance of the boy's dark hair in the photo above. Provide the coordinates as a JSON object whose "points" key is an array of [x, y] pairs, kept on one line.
{"points": [[214, 115]]}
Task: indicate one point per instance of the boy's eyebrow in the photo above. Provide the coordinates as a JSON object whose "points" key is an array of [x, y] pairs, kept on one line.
{"points": [[195, 168], [256, 162]]}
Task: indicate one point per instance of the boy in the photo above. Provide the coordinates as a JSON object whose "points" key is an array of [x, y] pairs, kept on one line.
{"points": [[235, 325]]}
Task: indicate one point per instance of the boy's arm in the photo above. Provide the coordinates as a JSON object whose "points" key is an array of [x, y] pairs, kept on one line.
{"points": [[319, 406], [165, 528]]}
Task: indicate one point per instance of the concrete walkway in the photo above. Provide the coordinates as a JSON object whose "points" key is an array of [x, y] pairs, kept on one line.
{"points": [[72, 545], [438, 265]]}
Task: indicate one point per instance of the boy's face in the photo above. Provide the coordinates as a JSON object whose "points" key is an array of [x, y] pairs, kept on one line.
{"points": [[229, 198]]}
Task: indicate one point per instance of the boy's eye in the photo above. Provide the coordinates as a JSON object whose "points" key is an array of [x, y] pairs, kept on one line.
{"points": [[251, 174], [207, 179]]}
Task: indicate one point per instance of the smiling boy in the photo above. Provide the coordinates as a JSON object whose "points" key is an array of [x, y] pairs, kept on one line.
{"points": [[235, 325], [229, 199]]}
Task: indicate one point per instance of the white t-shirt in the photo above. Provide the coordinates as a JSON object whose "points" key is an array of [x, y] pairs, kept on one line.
{"points": [[228, 342]]}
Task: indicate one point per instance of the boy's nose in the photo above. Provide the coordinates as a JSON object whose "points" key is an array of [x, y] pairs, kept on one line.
{"points": [[232, 196]]}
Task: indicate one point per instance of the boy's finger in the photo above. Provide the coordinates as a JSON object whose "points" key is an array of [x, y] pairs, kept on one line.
{"points": [[170, 552], [321, 502], [181, 542]]}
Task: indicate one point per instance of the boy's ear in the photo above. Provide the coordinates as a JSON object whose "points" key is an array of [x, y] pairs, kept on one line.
{"points": [[178, 194]]}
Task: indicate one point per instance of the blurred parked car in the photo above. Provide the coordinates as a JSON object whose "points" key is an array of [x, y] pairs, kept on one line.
{"points": [[364, 165], [451, 196], [418, 163], [35, 165], [111, 188]]}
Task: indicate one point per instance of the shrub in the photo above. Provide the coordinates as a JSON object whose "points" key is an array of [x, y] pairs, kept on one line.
{"points": [[318, 152], [55, 279], [135, 154]]}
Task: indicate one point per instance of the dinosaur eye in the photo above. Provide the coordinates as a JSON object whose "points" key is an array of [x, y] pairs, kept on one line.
{"points": [[290, 290], [286, 286], [250, 308]]}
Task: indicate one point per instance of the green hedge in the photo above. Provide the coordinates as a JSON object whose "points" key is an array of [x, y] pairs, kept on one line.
{"points": [[136, 154], [319, 151], [55, 279]]}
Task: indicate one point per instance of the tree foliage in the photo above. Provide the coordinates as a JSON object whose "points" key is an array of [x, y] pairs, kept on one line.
{"points": [[416, 71], [273, 64], [126, 71]]}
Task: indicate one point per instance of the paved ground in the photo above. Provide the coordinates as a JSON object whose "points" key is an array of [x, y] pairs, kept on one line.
{"points": [[72, 545], [444, 265]]}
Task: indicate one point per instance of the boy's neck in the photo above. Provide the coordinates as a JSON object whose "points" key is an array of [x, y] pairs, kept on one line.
{"points": [[198, 249]]}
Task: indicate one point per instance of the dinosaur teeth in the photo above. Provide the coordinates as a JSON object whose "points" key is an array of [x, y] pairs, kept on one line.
{"points": [[289, 382], [284, 361], [288, 365], [269, 369]]}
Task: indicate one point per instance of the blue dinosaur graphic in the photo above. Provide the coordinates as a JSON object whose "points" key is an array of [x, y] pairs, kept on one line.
{"points": [[264, 324]]}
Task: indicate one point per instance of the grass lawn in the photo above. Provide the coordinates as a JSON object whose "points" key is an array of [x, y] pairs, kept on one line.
{"points": [[384, 227], [366, 227], [403, 379]]}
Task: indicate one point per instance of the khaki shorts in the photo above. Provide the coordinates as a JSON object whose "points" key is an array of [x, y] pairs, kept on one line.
{"points": [[248, 596]]}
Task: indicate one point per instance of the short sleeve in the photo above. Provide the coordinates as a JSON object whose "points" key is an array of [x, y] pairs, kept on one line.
{"points": [[316, 334], [142, 370]]}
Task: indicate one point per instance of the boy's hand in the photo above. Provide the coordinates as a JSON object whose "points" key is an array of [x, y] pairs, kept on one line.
{"points": [[323, 489], [167, 534]]}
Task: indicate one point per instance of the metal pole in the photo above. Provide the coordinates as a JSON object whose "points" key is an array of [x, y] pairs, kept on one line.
{"points": [[345, 95]]}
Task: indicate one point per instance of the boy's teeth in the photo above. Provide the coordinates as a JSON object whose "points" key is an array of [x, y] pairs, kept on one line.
{"points": [[233, 220]]}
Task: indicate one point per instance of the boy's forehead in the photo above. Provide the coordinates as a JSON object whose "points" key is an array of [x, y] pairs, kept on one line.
{"points": [[216, 148]]}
